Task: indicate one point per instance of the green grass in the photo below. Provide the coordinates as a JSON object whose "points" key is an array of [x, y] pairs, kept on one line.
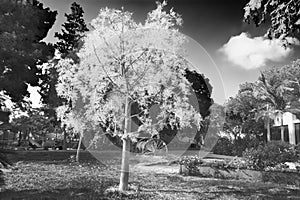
{"points": [[62, 180]]}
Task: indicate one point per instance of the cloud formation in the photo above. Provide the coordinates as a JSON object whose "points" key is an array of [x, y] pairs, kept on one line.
{"points": [[253, 53]]}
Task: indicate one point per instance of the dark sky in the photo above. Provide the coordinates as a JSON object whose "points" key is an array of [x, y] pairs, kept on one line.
{"points": [[211, 23]]}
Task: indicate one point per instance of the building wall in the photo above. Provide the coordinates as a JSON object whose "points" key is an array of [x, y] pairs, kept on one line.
{"points": [[288, 119]]}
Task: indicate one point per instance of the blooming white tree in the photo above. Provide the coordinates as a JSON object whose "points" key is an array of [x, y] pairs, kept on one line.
{"points": [[121, 63]]}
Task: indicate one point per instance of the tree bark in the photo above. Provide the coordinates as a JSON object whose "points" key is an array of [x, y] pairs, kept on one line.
{"points": [[282, 132], [64, 146], [282, 128], [78, 147], [268, 130], [124, 177]]}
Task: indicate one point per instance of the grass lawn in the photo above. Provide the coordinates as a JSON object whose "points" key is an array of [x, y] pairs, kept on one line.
{"points": [[63, 180]]}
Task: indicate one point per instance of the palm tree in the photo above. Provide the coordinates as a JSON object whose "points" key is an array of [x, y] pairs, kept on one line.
{"points": [[269, 90]]}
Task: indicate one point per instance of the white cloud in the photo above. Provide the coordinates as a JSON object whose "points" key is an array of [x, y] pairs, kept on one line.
{"points": [[253, 53]]}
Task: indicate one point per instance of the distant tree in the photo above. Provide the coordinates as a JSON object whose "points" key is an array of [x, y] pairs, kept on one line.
{"points": [[240, 115], [22, 29], [268, 91], [275, 92], [36, 124], [284, 16], [133, 71], [68, 45], [72, 32], [292, 86]]}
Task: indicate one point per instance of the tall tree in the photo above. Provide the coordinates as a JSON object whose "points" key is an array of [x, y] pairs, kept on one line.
{"points": [[69, 42], [122, 57], [284, 16], [292, 86], [72, 32], [22, 29], [274, 93], [240, 115]]}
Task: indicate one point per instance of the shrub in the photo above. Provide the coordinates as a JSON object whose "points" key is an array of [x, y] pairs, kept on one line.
{"points": [[191, 163], [270, 155], [236, 163], [224, 147], [236, 147], [241, 144]]}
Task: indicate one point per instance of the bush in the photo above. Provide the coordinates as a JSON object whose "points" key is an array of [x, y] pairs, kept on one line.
{"points": [[224, 147], [269, 155], [191, 163], [241, 144], [236, 147]]}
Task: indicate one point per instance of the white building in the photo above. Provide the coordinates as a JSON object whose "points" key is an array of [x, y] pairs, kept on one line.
{"points": [[291, 127]]}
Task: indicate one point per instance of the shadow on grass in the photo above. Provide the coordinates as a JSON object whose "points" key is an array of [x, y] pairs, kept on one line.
{"points": [[70, 193], [82, 193], [206, 188]]}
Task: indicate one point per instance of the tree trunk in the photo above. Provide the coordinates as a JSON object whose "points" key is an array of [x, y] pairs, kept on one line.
{"points": [[20, 138], [124, 177], [78, 148], [282, 133], [64, 146], [268, 130]]}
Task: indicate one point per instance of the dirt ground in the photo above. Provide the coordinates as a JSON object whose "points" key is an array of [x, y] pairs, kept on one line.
{"points": [[150, 178]]}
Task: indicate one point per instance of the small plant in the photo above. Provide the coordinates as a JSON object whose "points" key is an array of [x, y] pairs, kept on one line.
{"points": [[191, 163], [236, 163], [280, 167], [72, 159], [269, 155]]}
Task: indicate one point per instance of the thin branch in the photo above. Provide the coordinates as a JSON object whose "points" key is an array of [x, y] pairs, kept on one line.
{"points": [[112, 82], [132, 62]]}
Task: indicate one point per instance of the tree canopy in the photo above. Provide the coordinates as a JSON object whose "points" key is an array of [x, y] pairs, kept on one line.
{"points": [[72, 32], [276, 91], [122, 62], [67, 46], [284, 17], [22, 29]]}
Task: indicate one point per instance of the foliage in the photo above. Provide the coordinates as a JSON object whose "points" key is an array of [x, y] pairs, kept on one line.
{"points": [[22, 29], [235, 147], [122, 62], [243, 143], [224, 146], [4, 116], [72, 32], [191, 163], [270, 155], [36, 123], [292, 86], [276, 91], [240, 118], [67, 46], [284, 17], [153, 77], [235, 163], [202, 89]]}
